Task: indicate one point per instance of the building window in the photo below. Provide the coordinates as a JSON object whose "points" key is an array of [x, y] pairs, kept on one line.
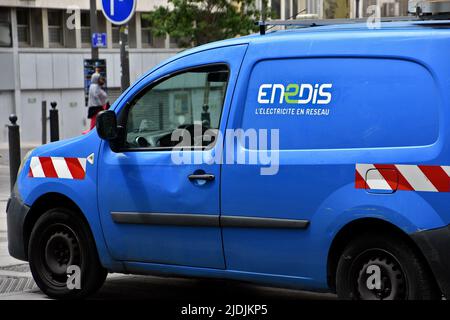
{"points": [[5, 28], [55, 28], [23, 26], [115, 36], [287, 10], [337, 9], [295, 10], [276, 9], [148, 39], [146, 33], [174, 43], [390, 8], [85, 28], [159, 42]]}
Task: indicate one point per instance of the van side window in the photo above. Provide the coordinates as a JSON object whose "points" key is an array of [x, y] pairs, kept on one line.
{"points": [[178, 111]]}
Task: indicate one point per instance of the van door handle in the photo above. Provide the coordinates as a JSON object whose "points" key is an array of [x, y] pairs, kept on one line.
{"points": [[204, 176]]}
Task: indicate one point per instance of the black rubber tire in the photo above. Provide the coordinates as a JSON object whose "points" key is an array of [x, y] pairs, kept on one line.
{"points": [[417, 281], [57, 222]]}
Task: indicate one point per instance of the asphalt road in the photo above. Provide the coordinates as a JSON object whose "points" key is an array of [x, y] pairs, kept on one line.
{"points": [[147, 287]]}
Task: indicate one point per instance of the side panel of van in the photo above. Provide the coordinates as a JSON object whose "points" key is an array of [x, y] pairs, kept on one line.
{"points": [[360, 105]]}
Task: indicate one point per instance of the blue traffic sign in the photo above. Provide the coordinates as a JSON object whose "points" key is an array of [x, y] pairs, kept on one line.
{"points": [[118, 11], [99, 40]]}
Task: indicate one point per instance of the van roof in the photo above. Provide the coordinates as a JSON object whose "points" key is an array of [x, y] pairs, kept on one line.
{"points": [[293, 31], [341, 25], [362, 25], [413, 25]]}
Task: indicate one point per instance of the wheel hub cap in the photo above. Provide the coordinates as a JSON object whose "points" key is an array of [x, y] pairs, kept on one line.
{"points": [[60, 252], [380, 277]]}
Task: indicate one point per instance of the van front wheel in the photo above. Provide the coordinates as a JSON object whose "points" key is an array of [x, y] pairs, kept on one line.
{"points": [[383, 267], [63, 257]]}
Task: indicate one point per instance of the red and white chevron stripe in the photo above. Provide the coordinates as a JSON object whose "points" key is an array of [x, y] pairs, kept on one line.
{"points": [[57, 167], [403, 177]]}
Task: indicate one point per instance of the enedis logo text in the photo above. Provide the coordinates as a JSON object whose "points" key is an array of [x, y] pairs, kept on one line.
{"points": [[295, 93], [280, 99]]}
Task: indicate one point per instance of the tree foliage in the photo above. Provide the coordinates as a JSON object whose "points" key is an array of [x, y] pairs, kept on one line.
{"points": [[196, 22]]}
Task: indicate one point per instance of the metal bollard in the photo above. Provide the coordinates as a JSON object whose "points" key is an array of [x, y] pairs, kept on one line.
{"points": [[54, 123], [14, 149], [44, 121]]}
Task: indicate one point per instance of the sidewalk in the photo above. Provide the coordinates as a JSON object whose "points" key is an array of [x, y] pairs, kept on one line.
{"points": [[4, 151], [5, 259], [15, 278]]}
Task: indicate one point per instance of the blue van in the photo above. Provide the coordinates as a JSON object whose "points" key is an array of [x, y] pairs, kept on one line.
{"points": [[350, 194]]}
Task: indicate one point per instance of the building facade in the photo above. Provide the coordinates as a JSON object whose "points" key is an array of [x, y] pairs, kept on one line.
{"points": [[334, 9], [43, 44], [42, 48]]}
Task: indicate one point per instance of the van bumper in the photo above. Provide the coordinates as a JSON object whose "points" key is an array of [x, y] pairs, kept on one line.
{"points": [[435, 245], [16, 212]]}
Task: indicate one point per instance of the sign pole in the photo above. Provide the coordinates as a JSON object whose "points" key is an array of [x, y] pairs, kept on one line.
{"points": [[124, 58], [119, 13], [93, 22]]}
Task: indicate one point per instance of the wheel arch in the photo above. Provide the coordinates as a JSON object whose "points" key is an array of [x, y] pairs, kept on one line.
{"points": [[47, 202], [356, 228]]}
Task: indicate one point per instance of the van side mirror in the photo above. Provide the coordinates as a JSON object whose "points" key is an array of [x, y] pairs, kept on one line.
{"points": [[107, 125]]}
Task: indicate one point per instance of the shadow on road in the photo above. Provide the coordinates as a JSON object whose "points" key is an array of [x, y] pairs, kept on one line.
{"points": [[197, 290]]}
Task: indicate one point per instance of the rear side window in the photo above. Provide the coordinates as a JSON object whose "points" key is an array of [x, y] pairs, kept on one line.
{"points": [[343, 103], [182, 106]]}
